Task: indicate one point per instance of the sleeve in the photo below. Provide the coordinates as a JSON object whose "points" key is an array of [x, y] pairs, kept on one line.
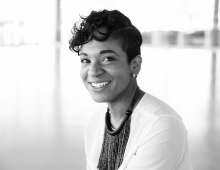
{"points": [[87, 165], [162, 148], [87, 127]]}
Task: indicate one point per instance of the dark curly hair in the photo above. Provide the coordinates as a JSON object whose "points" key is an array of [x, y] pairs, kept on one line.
{"points": [[116, 26]]}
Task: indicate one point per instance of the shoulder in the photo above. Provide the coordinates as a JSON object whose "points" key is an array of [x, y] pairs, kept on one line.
{"points": [[95, 125], [153, 116], [94, 128], [93, 136], [157, 133], [154, 108], [96, 119]]}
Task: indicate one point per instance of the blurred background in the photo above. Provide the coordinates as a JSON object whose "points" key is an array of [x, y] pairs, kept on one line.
{"points": [[44, 106]]}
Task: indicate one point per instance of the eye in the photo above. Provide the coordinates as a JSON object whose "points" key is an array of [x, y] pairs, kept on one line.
{"points": [[85, 61], [108, 58]]}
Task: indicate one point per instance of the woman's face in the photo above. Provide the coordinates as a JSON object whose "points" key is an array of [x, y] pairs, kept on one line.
{"points": [[105, 71]]}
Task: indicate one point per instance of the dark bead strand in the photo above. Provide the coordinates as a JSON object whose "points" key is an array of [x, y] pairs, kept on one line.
{"points": [[114, 143], [128, 114]]}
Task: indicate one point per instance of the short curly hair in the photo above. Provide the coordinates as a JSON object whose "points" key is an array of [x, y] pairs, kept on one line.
{"points": [[116, 26]]}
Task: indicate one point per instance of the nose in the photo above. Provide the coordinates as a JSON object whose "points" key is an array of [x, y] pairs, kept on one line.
{"points": [[95, 70]]}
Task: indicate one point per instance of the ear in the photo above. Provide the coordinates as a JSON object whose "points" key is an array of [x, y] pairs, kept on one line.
{"points": [[136, 65]]}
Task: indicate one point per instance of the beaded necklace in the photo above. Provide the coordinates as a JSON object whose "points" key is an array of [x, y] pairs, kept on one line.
{"points": [[115, 141]]}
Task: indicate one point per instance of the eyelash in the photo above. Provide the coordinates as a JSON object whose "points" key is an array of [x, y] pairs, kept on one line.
{"points": [[109, 58], [82, 61]]}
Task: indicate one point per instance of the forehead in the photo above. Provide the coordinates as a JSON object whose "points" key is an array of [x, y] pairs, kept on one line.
{"points": [[95, 47]]}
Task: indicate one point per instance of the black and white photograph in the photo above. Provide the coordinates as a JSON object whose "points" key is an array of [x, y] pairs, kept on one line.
{"points": [[109, 85]]}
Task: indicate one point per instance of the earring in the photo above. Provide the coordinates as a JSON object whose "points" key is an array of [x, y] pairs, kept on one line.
{"points": [[134, 75]]}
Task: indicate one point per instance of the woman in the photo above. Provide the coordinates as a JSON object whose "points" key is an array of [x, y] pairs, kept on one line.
{"points": [[137, 131]]}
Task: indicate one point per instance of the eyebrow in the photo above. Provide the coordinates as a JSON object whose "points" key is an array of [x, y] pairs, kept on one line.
{"points": [[83, 54], [107, 51], [101, 52]]}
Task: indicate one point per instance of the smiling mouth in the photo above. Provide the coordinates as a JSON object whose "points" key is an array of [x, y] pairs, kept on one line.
{"points": [[100, 85]]}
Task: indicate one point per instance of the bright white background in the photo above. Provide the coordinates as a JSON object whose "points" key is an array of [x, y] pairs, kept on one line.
{"points": [[44, 105]]}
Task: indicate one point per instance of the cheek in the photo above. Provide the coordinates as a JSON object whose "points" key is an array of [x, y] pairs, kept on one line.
{"points": [[123, 74], [83, 74]]}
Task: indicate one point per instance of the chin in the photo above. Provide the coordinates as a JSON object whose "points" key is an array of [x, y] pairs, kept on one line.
{"points": [[99, 98]]}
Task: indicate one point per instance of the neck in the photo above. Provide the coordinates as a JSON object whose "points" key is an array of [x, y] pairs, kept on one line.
{"points": [[118, 108]]}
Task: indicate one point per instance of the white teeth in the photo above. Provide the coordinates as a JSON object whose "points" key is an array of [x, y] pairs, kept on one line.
{"points": [[99, 85]]}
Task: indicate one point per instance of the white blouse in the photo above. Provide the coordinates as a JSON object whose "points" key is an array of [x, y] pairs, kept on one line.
{"points": [[157, 141]]}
